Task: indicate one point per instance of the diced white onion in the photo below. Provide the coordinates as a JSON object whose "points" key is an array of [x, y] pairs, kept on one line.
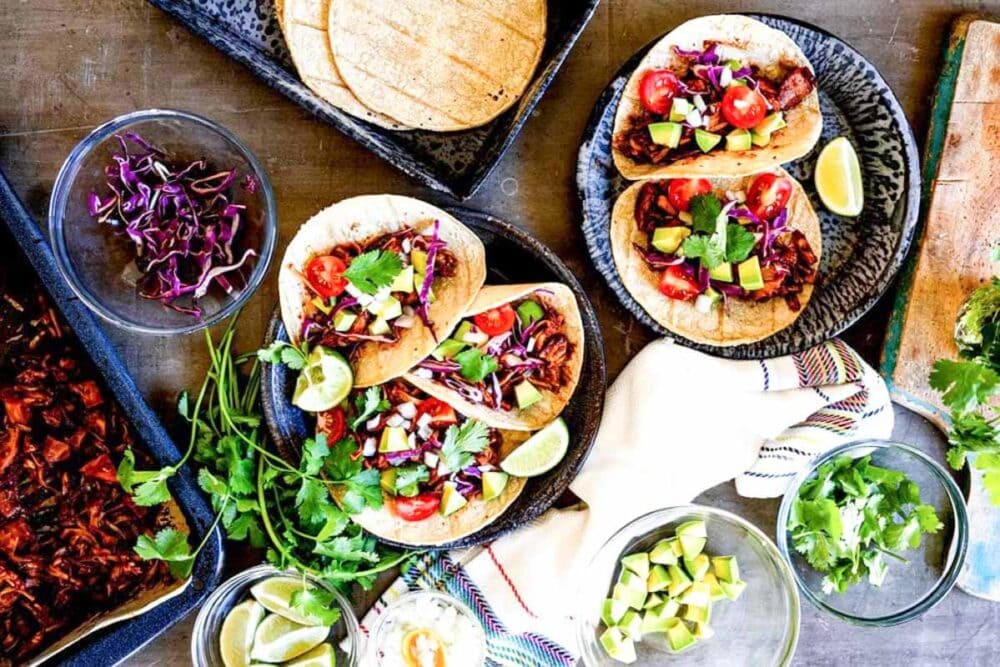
{"points": [[430, 459], [394, 421], [693, 118], [369, 448], [412, 440], [406, 246], [424, 432], [404, 321], [530, 347], [423, 373], [407, 410], [373, 423], [699, 103], [726, 77], [703, 304], [424, 420]]}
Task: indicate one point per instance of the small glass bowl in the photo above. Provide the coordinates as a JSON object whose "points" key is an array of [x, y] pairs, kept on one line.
{"points": [[909, 590], [761, 627], [99, 265], [205, 636], [385, 621]]}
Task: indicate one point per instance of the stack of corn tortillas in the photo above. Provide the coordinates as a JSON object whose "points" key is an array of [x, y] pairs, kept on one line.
{"points": [[440, 65]]}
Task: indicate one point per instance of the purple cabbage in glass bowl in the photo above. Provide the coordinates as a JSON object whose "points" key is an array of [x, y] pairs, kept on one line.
{"points": [[162, 222]]}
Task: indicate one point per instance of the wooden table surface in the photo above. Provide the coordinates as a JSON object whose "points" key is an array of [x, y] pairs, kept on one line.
{"points": [[68, 65]]}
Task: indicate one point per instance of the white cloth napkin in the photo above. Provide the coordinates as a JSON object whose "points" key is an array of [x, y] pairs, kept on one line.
{"points": [[676, 422]]}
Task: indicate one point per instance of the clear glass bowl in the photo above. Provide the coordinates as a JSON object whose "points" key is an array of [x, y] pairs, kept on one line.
{"points": [[99, 266], [761, 627], [909, 590], [205, 636], [384, 623]]}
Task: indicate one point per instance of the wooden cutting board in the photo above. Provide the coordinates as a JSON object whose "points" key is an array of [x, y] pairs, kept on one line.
{"points": [[961, 205]]}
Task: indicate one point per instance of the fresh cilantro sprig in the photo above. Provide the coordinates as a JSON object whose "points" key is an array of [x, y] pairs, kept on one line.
{"points": [[368, 405], [317, 604], [462, 443], [706, 242], [371, 271], [853, 514], [282, 352], [474, 365], [705, 210]]}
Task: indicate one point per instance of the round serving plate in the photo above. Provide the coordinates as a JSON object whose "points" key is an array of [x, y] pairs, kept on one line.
{"points": [[512, 256], [861, 255]]}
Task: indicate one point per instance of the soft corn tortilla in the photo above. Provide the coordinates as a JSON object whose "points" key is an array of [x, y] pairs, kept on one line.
{"points": [[436, 530], [356, 220], [772, 51], [438, 65], [740, 321], [304, 25], [554, 296]]}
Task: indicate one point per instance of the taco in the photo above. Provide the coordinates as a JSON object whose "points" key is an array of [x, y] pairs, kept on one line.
{"points": [[439, 471], [718, 96], [515, 359], [381, 278], [720, 262]]}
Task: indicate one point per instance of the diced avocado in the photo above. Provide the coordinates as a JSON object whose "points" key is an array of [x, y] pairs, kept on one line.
{"points": [[703, 631], [633, 597], [675, 543], [693, 528], [654, 600], [403, 281], [679, 581], [343, 321], [669, 239], [637, 563], [698, 566], [618, 646], [679, 636], [612, 611], [387, 480], [722, 272], [715, 590], [526, 394], [390, 309], [658, 579], [698, 595], [379, 327], [467, 335], [750, 275], [394, 439], [464, 328], [692, 546], [663, 553], [656, 619], [321, 305], [697, 614], [738, 140], [418, 259], [666, 134], [631, 625], [529, 312], [706, 140], [451, 499], [733, 589], [771, 124], [726, 568], [679, 109], [758, 139], [448, 349], [734, 64], [494, 482], [685, 217], [632, 580]]}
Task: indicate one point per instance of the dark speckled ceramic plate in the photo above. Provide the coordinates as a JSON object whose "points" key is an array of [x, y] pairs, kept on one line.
{"points": [[455, 162], [860, 256], [512, 256]]}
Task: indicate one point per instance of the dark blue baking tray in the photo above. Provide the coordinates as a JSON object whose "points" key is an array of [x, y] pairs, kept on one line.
{"points": [[117, 642], [454, 162]]}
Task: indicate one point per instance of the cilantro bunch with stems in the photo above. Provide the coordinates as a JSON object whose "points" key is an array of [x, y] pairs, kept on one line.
{"points": [[706, 243], [258, 496]]}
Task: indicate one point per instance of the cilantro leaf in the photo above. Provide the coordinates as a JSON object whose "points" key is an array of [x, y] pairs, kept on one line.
{"points": [[462, 442], [964, 385], [373, 270], [363, 489], [168, 545], [707, 248], [211, 484], [345, 549], [475, 365], [739, 243], [408, 479], [314, 453], [281, 352], [147, 487], [368, 405], [317, 604], [705, 210], [312, 497]]}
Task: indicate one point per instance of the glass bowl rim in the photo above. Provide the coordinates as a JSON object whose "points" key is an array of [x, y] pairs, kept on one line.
{"points": [[200, 632], [930, 599], [60, 196], [584, 629]]}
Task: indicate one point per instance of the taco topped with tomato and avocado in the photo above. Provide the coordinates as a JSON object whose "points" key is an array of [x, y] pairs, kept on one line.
{"points": [[380, 278], [718, 96], [514, 360], [724, 261]]}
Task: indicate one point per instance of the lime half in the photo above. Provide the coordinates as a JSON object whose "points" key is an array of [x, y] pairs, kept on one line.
{"points": [[236, 636], [277, 639], [539, 453], [838, 178], [275, 594], [321, 656], [325, 381]]}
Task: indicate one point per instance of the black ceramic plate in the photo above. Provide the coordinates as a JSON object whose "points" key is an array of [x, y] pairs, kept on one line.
{"points": [[512, 256], [455, 162], [860, 255]]}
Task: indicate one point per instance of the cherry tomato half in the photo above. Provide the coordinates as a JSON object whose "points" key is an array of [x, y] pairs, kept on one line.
{"points": [[675, 284], [680, 191], [743, 107], [496, 321], [440, 412], [326, 275], [657, 90], [768, 194], [332, 424], [418, 507]]}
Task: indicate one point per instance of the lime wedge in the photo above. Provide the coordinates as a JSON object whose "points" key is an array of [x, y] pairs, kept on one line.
{"points": [[838, 178], [321, 656], [277, 639], [325, 381], [236, 636], [539, 453], [275, 595]]}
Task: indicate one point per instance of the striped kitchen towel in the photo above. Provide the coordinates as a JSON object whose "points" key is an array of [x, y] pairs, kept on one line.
{"points": [[676, 422]]}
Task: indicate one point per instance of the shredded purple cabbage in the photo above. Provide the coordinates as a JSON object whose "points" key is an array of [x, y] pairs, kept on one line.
{"points": [[180, 220], [425, 289], [658, 260]]}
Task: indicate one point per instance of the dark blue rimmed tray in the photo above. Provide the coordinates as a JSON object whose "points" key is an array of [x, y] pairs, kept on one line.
{"points": [[454, 162], [117, 642]]}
